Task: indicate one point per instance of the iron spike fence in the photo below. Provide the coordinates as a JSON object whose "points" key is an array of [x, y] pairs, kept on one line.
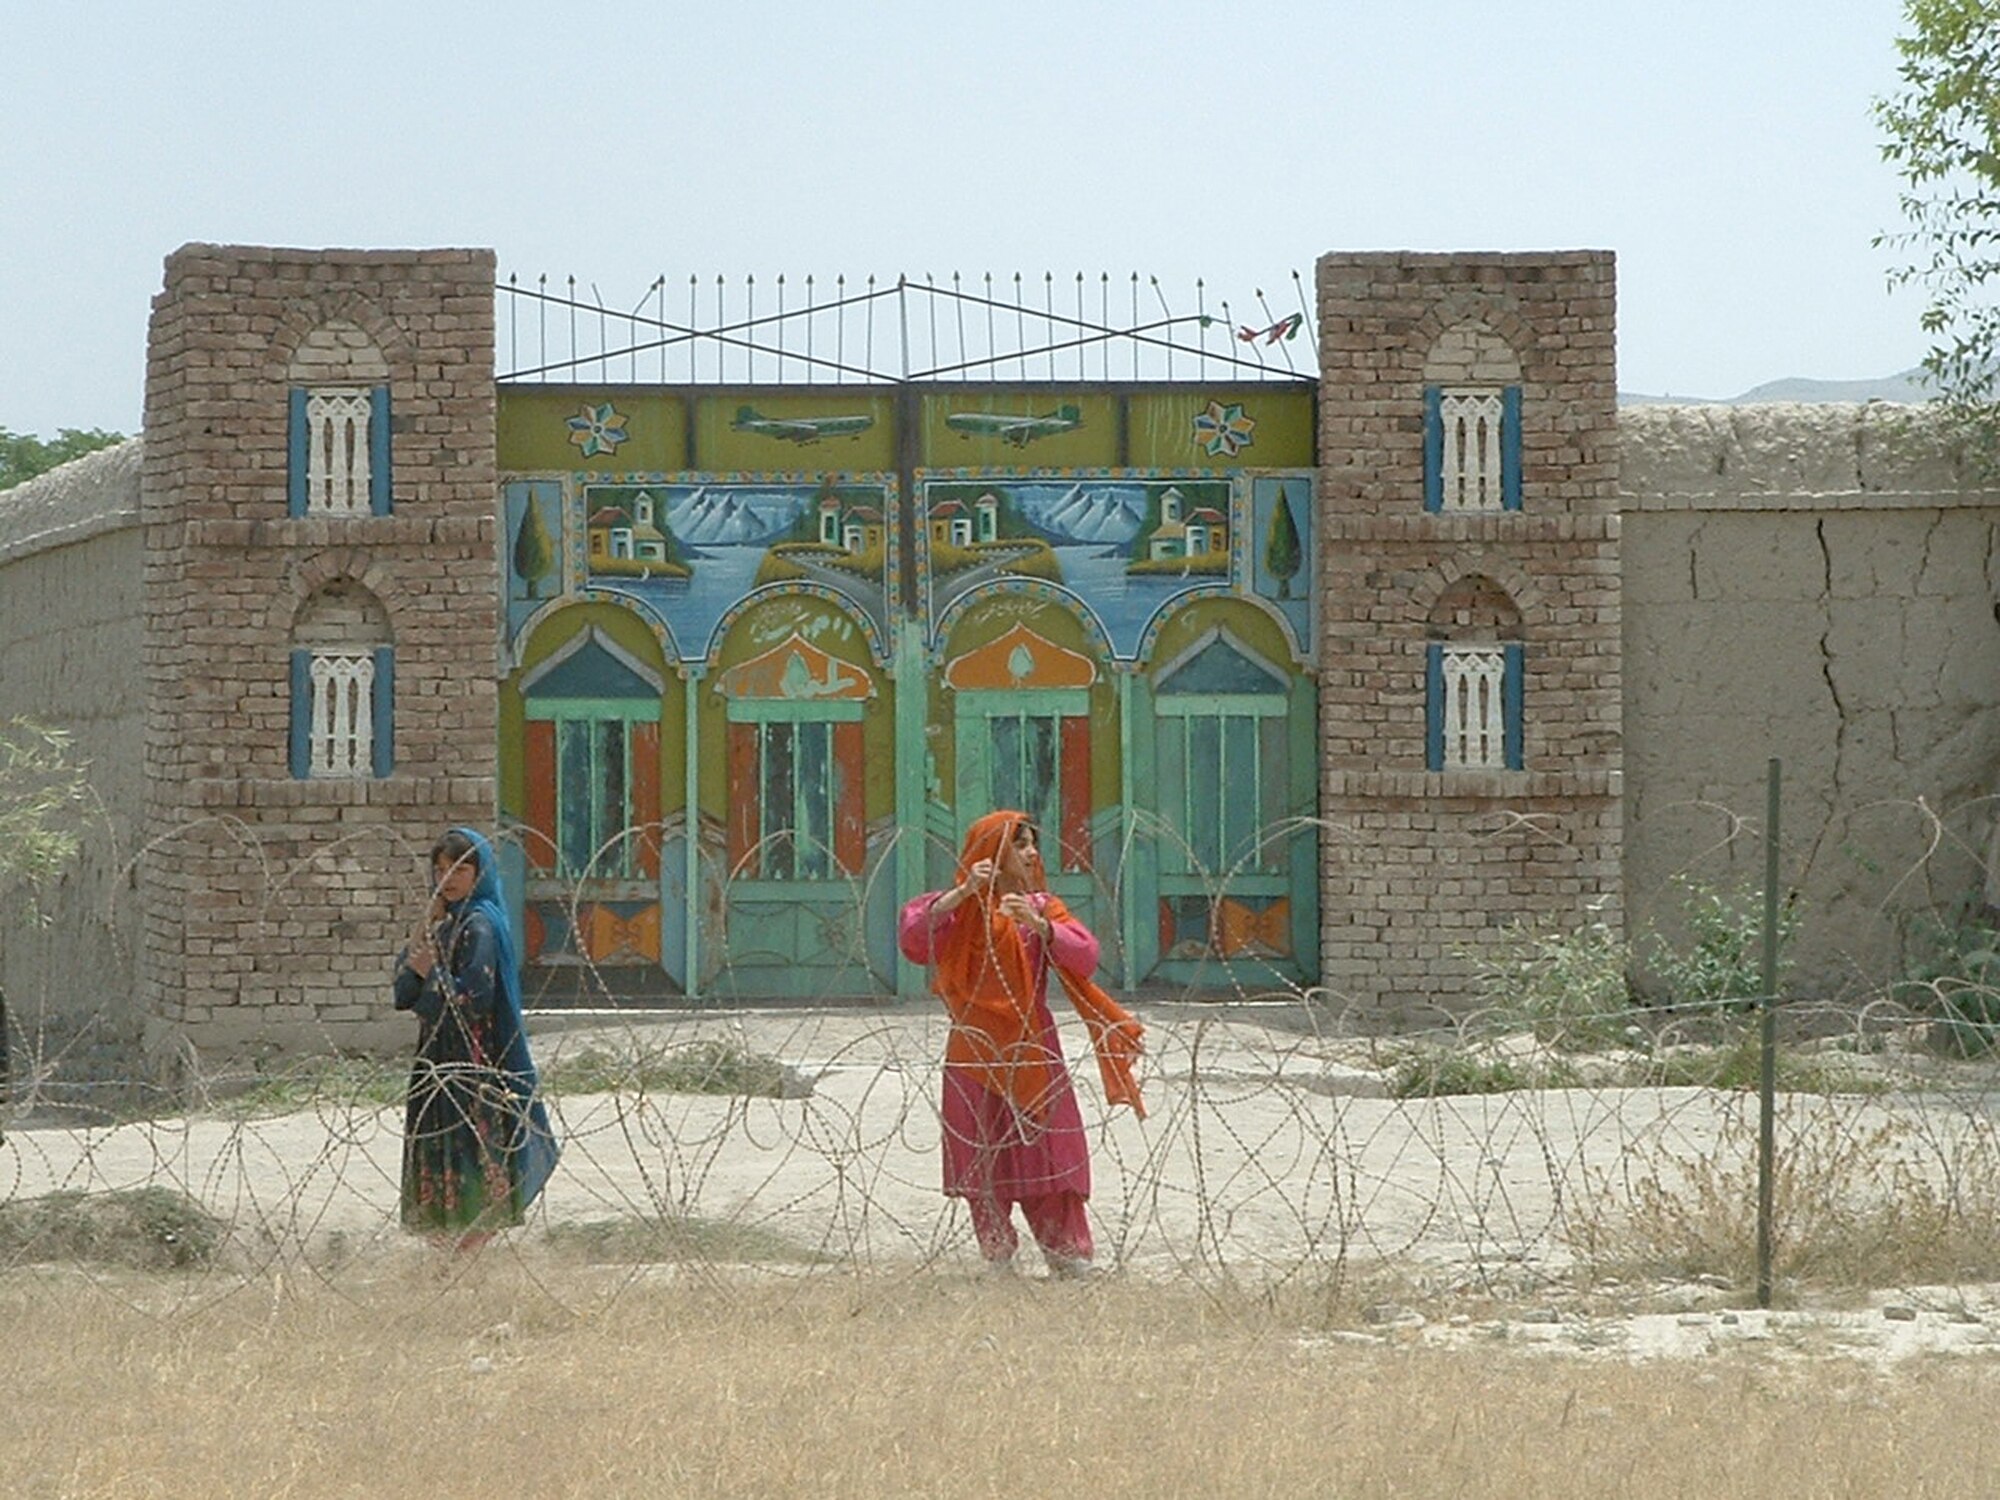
{"points": [[988, 328]]}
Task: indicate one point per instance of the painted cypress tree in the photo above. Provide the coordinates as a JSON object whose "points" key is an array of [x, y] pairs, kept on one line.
{"points": [[534, 554], [1282, 553]]}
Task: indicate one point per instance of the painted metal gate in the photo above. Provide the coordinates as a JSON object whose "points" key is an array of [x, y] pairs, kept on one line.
{"points": [[772, 644]]}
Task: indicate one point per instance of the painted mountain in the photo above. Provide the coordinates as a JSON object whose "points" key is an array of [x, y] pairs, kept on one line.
{"points": [[711, 516], [1104, 513]]}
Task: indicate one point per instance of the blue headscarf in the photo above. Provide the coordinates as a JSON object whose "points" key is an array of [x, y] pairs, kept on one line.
{"points": [[536, 1150]]}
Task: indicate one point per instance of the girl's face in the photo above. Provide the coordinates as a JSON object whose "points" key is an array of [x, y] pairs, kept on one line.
{"points": [[455, 878], [1021, 861]]}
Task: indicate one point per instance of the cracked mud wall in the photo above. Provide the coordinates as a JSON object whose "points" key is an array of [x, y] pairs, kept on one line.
{"points": [[1816, 583]]}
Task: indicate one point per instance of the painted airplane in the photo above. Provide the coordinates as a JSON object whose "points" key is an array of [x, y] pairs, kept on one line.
{"points": [[1020, 431], [800, 429]]}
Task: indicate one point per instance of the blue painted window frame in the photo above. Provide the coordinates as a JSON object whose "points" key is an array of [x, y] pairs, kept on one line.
{"points": [[1510, 448], [1512, 672], [381, 486], [381, 708]]}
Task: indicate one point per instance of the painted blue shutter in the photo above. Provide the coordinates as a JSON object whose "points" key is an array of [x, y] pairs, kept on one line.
{"points": [[296, 455], [1510, 447], [1510, 707], [379, 490], [1433, 448], [301, 714], [384, 710], [1434, 706]]}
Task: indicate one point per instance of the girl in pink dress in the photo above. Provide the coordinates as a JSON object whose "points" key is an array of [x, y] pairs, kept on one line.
{"points": [[1013, 1133]]}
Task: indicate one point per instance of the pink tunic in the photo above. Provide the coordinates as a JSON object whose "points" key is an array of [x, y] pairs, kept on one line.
{"points": [[991, 1150]]}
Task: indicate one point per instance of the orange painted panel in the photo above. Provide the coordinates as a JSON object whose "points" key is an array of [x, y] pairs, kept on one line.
{"points": [[538, 841], [1076, 792], [646, 795], [744, 826]]}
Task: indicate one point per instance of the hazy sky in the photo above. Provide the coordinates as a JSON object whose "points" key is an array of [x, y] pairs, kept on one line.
{"points": [[1723, 150]]}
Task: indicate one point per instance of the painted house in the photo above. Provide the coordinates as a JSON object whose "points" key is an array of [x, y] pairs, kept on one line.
{"points": [[1207, 532], [951, 524], [861, 529]]}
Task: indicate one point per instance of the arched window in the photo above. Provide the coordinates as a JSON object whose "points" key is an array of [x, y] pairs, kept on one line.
{"points": [[1473, 679], [592, 742], [343, 686], [1472, 423], [337, 429]]}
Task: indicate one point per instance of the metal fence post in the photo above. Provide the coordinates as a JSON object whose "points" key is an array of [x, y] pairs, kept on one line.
{"points": [[1767, 1070]]}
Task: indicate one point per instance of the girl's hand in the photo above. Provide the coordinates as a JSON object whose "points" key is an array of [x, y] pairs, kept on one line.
{"points": [[1022, 910], [977, 879], [421, 956]]}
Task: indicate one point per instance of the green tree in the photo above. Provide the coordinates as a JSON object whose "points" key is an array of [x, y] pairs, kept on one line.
{"points": [[1282, 553], [23, 455], [1942, 134], [534, 553]]}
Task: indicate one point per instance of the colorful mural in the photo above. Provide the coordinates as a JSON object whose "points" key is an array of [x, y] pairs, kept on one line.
{"points": [[731, 750], [690, 550], [1278, 550], [1122, 546]]}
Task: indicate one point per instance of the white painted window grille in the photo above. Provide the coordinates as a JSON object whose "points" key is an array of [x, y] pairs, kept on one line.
{"points": [[337, 475], [343, 714], [1474, 710], [1471, 465]]}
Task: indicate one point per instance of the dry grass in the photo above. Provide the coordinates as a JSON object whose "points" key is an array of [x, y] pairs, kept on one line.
{"points": [[1857, 1201], [496, 1380]]}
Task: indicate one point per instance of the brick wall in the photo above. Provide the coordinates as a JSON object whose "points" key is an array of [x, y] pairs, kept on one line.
{"points": [[273, 906], [1423, 869]]}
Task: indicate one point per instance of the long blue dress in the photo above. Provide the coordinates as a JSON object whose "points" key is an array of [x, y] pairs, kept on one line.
{"points": [[477, 1144]]}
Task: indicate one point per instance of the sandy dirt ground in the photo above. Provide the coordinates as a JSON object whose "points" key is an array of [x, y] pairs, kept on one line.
{"points": [[1268, 1152]]}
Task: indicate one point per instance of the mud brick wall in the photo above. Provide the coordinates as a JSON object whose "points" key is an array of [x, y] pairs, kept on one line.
{"points": [[1814, 583], [70, 630], [273, 906], [1423, 869]]}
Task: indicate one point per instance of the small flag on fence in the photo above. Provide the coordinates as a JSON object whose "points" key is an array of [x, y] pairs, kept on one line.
{"points": [[1285, 328]]}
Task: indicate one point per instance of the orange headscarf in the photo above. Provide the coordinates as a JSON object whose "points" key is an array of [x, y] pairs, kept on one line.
{"points": [[983, 975]]}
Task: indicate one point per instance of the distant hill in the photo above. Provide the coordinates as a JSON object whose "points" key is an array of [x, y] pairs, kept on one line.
{"points": [[1906, 386]]}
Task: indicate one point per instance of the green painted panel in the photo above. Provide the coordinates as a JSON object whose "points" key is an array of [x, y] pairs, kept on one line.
{"points": [[1248, 623], [1169, 705], [595, 429], [789, 711], [1266, 426], [983, 428], [832, 630], [633, 635], [764, 431], [592, 708]]}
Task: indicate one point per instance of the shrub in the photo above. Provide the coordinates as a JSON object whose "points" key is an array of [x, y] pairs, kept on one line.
{"points": [[1433, 1072], [1855, 1204], [1721, 961], [1572, 989], [1952, 971]]}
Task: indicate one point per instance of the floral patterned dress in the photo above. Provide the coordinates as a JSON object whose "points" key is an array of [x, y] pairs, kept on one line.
{"points": [[462, 1125]]}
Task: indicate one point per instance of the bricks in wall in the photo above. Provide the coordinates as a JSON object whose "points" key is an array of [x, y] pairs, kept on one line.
{"points": [[272, 906], [1423, 871]]}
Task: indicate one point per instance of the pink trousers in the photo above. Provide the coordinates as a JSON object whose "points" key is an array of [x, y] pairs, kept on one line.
{"points": [[1058, 1221]]}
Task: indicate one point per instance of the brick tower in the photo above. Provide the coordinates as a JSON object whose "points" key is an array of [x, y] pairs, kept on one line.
{"points": [[1469, 688], [321, 588]]}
